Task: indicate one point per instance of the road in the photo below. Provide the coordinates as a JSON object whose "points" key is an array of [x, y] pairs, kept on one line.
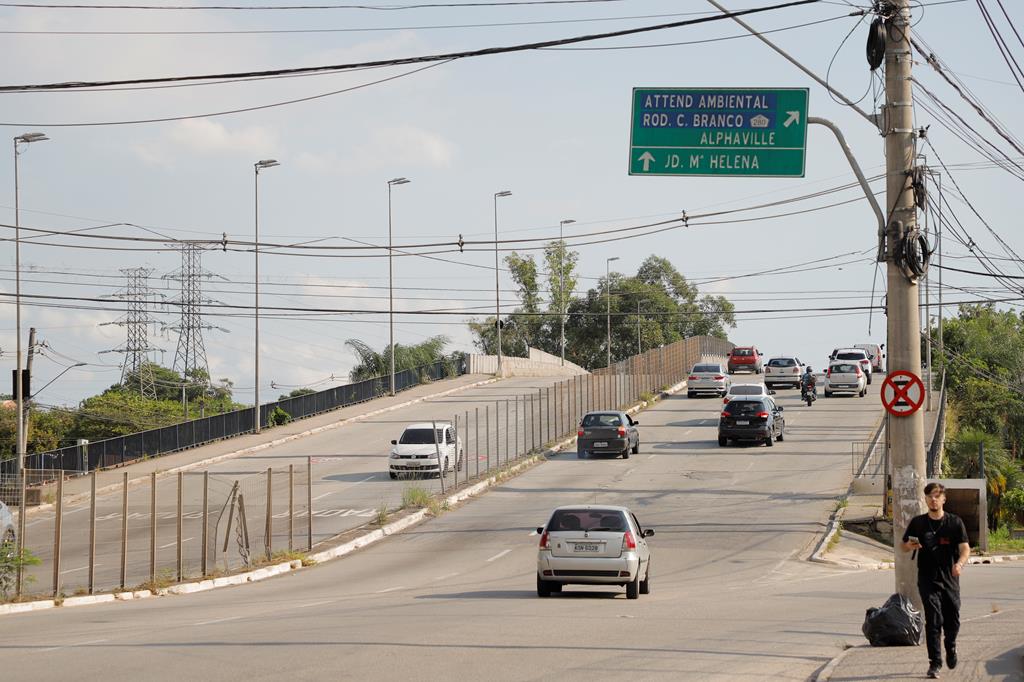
{"points": [[731, 596], [350, 484]]}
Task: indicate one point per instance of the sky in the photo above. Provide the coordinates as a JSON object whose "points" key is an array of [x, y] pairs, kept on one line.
{"points": [[551, 126]]}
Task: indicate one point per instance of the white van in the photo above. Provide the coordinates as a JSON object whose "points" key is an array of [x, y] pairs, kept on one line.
{"points": [[421, 450], [876, 353]]}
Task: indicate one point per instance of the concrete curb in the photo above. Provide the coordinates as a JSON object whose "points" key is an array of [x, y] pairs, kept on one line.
{"points": [[360, 542], [825, 674], [72, 499]]}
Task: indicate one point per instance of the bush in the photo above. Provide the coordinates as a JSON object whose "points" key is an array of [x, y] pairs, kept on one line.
{"points": [[1013, 506], [278, 417], [9, 563]]}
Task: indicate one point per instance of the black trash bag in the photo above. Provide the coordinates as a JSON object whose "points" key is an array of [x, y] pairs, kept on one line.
{"points": [[896, 623]]}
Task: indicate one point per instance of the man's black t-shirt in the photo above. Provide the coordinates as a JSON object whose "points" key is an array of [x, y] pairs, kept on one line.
{"points": [[940, 542]]}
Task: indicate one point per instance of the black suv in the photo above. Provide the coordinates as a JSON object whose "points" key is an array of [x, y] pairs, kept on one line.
{"points": [[753, 418]]}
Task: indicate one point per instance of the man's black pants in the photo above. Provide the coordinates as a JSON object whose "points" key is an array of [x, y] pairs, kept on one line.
{"points": [[941, 615]]}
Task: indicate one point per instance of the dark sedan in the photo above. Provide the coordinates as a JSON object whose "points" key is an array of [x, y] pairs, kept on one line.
{"points": [[607, 433], [751, 418]]}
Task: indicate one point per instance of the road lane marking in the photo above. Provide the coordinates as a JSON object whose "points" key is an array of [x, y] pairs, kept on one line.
{"points": [[66, 646], [218, 620], [532, 532], [82, 568], [446, 576], [651, 456], [320, 497], [390, 589], [687, 432], [316, 603], [172, 544], [499, 555]]}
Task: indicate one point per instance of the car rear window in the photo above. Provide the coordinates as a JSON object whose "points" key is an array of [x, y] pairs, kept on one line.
{"points": [[741, 407], [742, 352], [602, 420], [706, 369], [420, 437], [588, 519], [844, 369], [746, 390], [782, 362], [850, 356]]}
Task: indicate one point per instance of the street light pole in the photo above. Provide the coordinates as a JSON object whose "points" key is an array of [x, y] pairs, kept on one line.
{"points": [[638, 350], [608, 295], [561, 287], [25, 138], [257, 167], [391, 287], [497, 272]]}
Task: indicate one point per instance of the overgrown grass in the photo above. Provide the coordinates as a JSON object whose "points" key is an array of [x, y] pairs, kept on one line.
{"points": [[647, 397], [164, 578], [834, 540], [841, 504], [415, 496], [437, 507], [1000, 542], [284, 555], [382, 513]]}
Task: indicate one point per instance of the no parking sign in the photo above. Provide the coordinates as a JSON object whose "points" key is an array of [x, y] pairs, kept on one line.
{"points": [[902, 393]]}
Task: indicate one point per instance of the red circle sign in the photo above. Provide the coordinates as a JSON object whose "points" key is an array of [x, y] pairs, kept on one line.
{"points": [[902, 393]]}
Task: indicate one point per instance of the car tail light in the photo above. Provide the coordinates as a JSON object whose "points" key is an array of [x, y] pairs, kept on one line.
{"points": [[693, 377], [725, 401], [622, 431], [579, 434], [719, 377], [725, 414], [628, 541], [829, 372], [762, 415], [544, 540], [796, 370], [857, 369]]}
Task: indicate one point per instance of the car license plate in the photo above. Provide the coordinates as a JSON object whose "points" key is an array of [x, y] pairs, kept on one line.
{"points": [[602, 444], [742, 422], [586, 547]]}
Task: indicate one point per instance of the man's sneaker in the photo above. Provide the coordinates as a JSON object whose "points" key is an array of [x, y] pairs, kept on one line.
{"points": [[933, 671], [951, 657]]}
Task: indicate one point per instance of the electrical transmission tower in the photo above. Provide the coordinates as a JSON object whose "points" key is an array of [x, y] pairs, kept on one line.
{"points": [[137, 364], [191, 353]]}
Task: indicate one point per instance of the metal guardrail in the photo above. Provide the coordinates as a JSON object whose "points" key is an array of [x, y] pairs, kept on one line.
{"points": [[189, 434]]}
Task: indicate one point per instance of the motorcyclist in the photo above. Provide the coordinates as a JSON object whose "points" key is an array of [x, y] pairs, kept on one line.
{"points": [[808, 382]]}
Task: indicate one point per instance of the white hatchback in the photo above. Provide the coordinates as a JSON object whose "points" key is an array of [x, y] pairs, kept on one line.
{"points": [[845, 376], [785, 370], [424, 450]]}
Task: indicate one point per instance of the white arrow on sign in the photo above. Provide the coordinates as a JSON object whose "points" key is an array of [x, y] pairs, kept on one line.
{"points": [[646, 157], [794, 117]]}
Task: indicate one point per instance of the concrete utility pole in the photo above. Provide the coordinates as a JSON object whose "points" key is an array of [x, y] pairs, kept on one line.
{"points": [[906, 433], [608, 296], [561, 287], [27, 404], [391, 290], [497, 273]]}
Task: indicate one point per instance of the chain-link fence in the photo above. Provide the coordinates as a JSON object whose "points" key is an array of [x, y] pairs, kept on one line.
{"points": [[152, 531]]}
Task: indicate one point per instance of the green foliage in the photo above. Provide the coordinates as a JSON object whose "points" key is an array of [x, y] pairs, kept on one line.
{"points": [[670, 309], [10, 560], [1013, 507], [377, 364], [296, 393], [278, 417]]}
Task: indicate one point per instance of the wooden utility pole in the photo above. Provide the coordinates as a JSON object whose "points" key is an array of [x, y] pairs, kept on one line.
{"points": [[903, 316]]}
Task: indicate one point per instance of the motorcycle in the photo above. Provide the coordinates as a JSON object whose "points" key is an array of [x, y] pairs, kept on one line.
{"points": [[809, 394]]}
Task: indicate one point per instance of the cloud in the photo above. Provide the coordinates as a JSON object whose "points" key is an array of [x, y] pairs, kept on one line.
{"points": [[208, 138]]}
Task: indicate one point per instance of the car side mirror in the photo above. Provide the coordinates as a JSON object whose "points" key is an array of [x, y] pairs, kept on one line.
{"points": [[771, 392], [648, 532], [394, 442], [634, 423], [540, 530], [781, 408]]}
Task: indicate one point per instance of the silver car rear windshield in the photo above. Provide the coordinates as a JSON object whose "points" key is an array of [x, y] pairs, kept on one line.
{"points": [[746, 390], [420, 437], [588, 519], [602, 420], [707, 369], [844, 369], [782, 362], [741, 407], [850, 356]]}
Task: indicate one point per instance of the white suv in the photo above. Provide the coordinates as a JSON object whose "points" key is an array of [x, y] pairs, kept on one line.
{"points": [[422, 450], [858, 355]]}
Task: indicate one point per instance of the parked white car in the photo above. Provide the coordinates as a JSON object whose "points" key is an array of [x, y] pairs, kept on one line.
{"points": [[783, 371], [421, 450], [845, 376], [858, 355], [876, 353]]}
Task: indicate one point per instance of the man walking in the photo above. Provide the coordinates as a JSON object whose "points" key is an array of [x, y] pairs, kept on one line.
{"points": [[939, 540]]}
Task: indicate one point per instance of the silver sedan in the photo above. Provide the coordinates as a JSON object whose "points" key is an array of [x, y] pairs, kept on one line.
{"points": [[593, 545], [707, 378]]}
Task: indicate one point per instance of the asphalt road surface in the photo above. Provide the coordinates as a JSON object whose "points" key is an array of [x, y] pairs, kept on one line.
{"points": [[454, 597]]}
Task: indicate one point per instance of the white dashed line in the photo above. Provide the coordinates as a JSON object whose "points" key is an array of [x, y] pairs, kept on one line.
{"points": [[66, 646], [446, 576], [499, 555], [81, 568], [172, 544], [316, 603], [320, 497], [218, 620], [651, 456], [390, 589]]}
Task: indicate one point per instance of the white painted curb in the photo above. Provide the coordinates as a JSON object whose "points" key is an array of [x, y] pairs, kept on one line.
{"points": [[365, 540], [825, 674], [72, 499]]}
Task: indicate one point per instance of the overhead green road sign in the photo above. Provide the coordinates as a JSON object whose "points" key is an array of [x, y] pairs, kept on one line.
{"points": [[719, 131]]}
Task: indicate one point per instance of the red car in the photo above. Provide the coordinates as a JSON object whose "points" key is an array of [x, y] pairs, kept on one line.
{"points": [[747, 358]]}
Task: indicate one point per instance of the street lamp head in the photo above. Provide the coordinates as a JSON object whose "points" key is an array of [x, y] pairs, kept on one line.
{"points": [[503, 193], [613, 258], [266, 163], [399, 181], [568, 221], [31, 137]]}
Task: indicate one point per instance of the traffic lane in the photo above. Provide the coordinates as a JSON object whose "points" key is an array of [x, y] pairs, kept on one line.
{"points": [[404, 557]]}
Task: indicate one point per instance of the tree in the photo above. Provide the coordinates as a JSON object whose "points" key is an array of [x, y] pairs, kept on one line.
{"points": [[296, 393], [522, 329], [373, 364]]}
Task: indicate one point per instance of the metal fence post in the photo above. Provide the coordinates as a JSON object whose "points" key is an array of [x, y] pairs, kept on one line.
{"points": [[458, 453], [476, 426], [487, 434], [268, 541], [92, 532], [437, 452], [497, 433], [19, 579], [152, 528], [205, 554], [547, 421], [508, 427], [124, 530], [57, 523], [309, 502], [465, 428], [517, 427], [178, 536], [291, 507], [540, 418]]}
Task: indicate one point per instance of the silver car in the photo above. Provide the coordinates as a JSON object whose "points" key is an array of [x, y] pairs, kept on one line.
{"points": [[593, 545], [707, 378], [7, 534], [747, 390]]}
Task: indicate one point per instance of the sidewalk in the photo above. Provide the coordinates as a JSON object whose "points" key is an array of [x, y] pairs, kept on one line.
{"points": [[77, 488], [990, 648]]}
